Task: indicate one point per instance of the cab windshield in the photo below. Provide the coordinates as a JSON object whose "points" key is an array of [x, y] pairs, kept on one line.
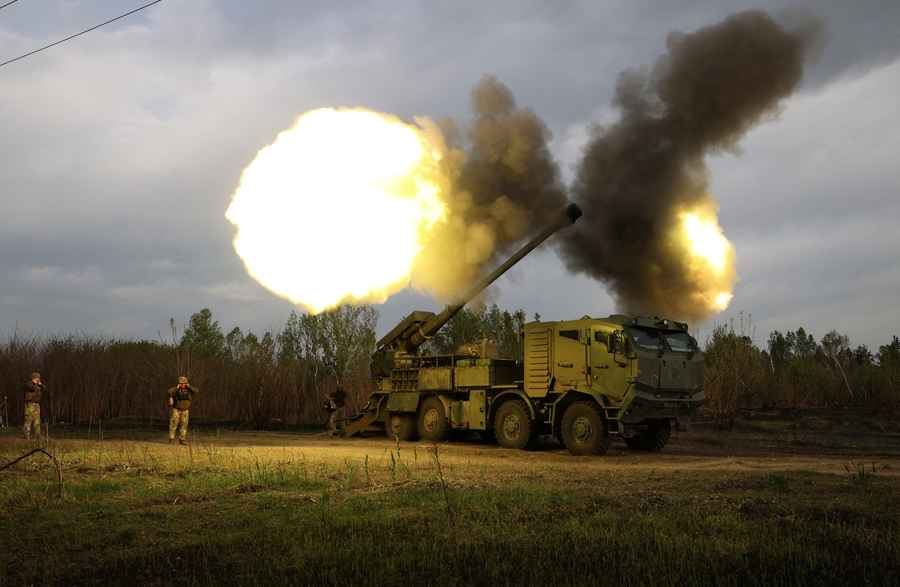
{"points": [[647, 340], [681, 342], [654, 340]]}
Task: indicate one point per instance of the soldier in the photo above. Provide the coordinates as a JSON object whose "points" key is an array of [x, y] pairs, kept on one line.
{"points": [[33, 391], [334, 401], [180, 398]]}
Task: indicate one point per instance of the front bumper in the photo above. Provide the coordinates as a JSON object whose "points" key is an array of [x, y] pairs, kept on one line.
{"points": [[656, 404]]}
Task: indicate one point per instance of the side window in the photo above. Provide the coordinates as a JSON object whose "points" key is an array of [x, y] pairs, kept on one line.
{"points": [[602, 338], [573, 334]]}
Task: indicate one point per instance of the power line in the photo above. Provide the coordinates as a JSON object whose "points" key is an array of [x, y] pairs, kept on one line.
{"points": [[149, 4], [2, 6]]}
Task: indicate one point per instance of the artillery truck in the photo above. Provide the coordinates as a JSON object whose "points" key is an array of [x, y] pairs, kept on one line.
{"points": [[581, 380]]}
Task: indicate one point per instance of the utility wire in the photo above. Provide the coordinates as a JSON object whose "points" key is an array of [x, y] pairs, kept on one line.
{"points": [[2, 6], [149, 4]]}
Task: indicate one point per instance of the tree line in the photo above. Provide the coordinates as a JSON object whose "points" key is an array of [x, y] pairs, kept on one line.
{"points": [[260, 380], [794, 370], [281, 378]]}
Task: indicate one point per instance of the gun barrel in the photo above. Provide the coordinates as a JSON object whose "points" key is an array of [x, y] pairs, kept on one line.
{"points": [[570, 214]]}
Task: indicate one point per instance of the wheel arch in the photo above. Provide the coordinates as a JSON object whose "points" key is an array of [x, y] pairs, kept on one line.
{"points": [[404, 401]]}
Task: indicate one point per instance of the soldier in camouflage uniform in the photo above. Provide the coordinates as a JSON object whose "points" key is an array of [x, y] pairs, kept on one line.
{"points": [[33, 391], [334, 403], [180, 398]]}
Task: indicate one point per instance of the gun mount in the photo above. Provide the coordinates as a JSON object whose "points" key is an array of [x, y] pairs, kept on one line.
{"points": [[419, 326]]}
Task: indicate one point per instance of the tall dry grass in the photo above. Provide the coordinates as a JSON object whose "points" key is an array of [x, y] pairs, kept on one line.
{"points": [[93, 378], [795, 371]]}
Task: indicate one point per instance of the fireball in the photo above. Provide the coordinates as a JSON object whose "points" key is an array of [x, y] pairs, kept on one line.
{"points": [[339, 206], [709, 257]]}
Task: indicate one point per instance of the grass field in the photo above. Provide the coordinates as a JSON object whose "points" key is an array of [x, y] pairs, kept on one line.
{"points": [[764, 505]]}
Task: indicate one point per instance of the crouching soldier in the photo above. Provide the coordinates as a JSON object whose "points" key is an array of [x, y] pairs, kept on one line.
{"points": [[33, 391], [334, 403], [180, 398]]}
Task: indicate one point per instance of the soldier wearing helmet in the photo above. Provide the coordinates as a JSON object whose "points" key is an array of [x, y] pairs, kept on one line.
{"points": [[334, 404], [34, 389], [180, 398]]}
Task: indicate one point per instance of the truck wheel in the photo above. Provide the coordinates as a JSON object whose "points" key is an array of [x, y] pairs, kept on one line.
{"points": [[657, 436], [584, 429], [400, 425], [653, 439], [433, 424], [512, 425]]}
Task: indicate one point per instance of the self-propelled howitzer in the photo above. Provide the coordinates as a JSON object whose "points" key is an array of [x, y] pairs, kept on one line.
{"points": [[581, 380]]}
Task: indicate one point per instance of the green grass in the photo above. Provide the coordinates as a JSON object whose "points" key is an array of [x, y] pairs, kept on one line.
{"points": [[150, 515]]}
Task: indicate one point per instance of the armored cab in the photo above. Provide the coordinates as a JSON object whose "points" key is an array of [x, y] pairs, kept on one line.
{"points": [[630, 376], [582, 380]]}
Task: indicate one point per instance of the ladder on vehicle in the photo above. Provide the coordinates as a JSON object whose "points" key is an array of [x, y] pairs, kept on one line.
{"points": [[362, 421]]}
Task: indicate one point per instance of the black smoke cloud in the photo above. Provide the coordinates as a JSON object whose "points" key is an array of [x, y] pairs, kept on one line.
{"points": [[637, 174], [508, 159], [505, 184]]}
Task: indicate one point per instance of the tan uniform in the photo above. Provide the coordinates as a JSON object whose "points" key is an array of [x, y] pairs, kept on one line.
{"points": [[332, 417], [334, 403], [33, 392], [180, 398]]}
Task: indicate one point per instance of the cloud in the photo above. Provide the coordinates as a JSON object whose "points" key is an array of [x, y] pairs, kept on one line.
{"points": [[59, 277], [121, 148]]}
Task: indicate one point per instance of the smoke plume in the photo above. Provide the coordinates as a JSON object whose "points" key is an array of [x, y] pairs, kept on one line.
{"points": [[640, 175], [505, 183], [443, 204]]}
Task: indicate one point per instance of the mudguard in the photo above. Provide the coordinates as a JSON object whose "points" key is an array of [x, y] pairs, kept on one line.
{"points": [[403, 401]]}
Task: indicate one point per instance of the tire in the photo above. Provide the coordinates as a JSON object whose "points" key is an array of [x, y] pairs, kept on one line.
{"points": [[402, 426], [658, 436], [513, 427], [433, 423], [653, 439], [584, 430]]}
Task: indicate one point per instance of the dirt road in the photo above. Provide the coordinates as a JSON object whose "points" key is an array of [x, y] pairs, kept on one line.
{"points": [[708, 450], [687, 451]]}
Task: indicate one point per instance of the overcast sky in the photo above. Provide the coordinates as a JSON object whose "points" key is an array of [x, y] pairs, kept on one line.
{"points": [[120, 149]]}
